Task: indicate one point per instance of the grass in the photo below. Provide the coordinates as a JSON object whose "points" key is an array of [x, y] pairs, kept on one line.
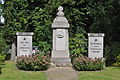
{"points": [[110, 73], [9, 72]]}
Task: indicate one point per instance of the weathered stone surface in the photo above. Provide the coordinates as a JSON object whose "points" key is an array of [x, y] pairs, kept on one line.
{"points": [[61, 62], [61, 73], [95, 45], [60, 21], [13, 53], [60, 52], [24, 43]]}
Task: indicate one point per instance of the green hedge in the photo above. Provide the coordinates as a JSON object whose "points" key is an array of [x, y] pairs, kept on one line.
{"points": [[2, 58], [78, 45], [111, 52], [117, 64]]}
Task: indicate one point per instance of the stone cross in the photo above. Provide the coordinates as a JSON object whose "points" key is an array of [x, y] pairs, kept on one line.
{"points": [[95, 45], [24, 43], [60, 51], [13, 54]]}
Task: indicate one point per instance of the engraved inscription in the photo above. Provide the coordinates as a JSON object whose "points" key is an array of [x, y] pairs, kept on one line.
{"points": [[24, 43], [95, 49]]}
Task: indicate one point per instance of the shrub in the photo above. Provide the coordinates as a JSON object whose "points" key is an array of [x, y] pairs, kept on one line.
{"points": [[3, 46], [2, 58], [117, 64], [111, 52], [33, 62], [78, 45], [44, 47], [88, 64]]}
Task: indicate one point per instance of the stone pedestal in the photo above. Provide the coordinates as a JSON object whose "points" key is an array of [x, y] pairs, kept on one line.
{"points": [[24, 43], [60, 52], [95, 45]]}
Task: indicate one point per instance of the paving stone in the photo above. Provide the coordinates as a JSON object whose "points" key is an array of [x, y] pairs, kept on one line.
{"points": [[61, 73]]}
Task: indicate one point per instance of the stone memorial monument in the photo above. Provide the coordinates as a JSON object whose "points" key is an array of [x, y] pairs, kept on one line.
{"points": [[24, 43], [95, 45], [60, 52]]}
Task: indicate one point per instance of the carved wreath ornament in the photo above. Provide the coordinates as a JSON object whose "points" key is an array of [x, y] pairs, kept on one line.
{"points": [[60, 34]]}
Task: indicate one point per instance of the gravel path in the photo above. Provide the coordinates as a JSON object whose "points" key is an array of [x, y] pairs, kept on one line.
{"points": [[61, 73]]}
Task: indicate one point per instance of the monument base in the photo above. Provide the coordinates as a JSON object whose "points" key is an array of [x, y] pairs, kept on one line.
{"points": [[61, 62], [60, 58]]}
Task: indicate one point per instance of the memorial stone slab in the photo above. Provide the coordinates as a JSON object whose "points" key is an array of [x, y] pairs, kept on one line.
{"points": [[95, 45], [24, 43], [60, 52]]}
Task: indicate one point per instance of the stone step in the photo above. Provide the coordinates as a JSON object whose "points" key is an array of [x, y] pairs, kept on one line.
{"points": [[61, 73]]}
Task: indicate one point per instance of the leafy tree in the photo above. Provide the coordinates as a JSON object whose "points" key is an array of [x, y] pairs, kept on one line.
{"points": [[101, 16], [105, 17], [2, 44], [37, 16], [78, 45]]}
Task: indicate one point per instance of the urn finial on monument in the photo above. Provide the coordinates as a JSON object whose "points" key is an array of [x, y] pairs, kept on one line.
{"points": [[60, 51], [60, 9], [60, 21]]}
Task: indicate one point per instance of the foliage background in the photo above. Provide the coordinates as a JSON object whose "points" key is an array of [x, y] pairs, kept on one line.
{"points": [[84, 16]]}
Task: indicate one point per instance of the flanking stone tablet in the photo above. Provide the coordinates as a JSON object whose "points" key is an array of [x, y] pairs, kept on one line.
{"points": [[95, 45], [24, 43]]}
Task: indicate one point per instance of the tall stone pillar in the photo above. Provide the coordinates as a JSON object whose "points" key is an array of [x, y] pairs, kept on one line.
{"points": [[60, 52]]}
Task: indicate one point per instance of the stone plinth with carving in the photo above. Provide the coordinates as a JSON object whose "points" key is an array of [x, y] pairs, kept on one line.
{"points": [[60, 52]]}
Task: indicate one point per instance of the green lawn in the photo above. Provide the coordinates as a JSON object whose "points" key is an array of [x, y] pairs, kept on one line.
{"points": [[9, 72], [110, 73]]}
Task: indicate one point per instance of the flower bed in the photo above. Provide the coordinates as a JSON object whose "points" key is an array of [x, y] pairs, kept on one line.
{"points": [[88, 64], [33, 62]]}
